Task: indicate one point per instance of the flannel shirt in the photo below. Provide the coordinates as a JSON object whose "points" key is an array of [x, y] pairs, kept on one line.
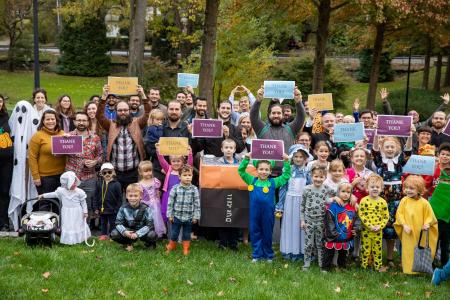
{"points": [[124, 152], [126, 216], [92, 150], [184, 203]]}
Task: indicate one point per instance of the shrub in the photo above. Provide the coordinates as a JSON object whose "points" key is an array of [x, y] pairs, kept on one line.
{"points": [[162, 75], [365, 64]]}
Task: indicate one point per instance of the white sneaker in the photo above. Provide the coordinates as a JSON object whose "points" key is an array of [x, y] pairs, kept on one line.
{"points": [[270, 261], [254, 260]]}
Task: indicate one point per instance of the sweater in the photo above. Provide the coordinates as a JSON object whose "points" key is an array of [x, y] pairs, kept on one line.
{"points": [[41, 160]]}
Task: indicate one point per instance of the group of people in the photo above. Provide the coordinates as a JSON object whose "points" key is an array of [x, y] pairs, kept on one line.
{"points": [[335, 201]]}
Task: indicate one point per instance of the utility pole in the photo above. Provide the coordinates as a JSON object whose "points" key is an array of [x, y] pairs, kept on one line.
{"points": [[37, 79]]}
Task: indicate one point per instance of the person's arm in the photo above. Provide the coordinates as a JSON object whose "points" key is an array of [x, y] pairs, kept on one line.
{"points": [[196, 205], [100, 115], [162, 161], [120, 221], [303, 204], [408, 145], [255, 118], [231, 98], [284, 177], [170, 204], [282, 196], [34, 147], [51, 195], [330, 231], [148, 223], [248, 179], [387, 110], [356, 110], [400, 214], [96, 203], [364, 219], [299, 120], [142, 120], [442, 107], [384, 214], [98, 152], [118, 195], [190, 160]]}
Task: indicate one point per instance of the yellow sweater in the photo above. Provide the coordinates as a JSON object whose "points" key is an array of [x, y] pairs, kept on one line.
{"points": [[40, 158]]}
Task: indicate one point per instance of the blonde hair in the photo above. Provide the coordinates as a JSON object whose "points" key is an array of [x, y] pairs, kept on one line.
{"points": [[416, 182], [344, 184], [336, 164], [376, 179], [154, 114], [391, 139], [348, 119], [145, 165], [134, 187], [317, 167]]}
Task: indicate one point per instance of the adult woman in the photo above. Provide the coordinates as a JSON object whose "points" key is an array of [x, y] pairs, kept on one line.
{"points": [[94, 126], [6, 162], [40, 101], [423, 138], [304, 139], [66, 110], [45, 167]]}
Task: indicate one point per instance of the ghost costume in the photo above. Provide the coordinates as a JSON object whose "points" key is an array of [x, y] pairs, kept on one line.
{"points": [[73, 201], [23, 123]]}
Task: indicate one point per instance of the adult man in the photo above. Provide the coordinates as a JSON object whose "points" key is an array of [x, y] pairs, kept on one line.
{"points": [[181, 98], [155, 98], [328, 121], [366, 116], [83, 164], [125, 144], [438, 122], [198, 111], [244, 103], [287, 113], [136, 110], [275, 129], [110, 109]]}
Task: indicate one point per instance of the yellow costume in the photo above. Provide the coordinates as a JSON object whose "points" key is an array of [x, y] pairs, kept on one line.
{"points": [[372, 213], [414, 213]]}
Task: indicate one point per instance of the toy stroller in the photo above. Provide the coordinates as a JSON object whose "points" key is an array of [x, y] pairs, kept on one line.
{"points": [[40, 227]]}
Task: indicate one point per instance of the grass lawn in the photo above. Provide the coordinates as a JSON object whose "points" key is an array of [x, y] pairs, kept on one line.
{"points": [[108, 271]]}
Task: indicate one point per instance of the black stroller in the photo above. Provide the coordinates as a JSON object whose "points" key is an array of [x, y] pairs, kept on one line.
{"points": [[40, 227]]}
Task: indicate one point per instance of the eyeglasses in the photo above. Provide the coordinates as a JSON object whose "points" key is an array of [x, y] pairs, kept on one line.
{"points": [[107, 172]]}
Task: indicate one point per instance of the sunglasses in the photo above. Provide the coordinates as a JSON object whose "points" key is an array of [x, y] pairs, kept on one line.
{"points": [[107, 172]]}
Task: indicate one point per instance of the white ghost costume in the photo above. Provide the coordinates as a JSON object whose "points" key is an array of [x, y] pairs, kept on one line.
{"points": [[74, 228], [23, 122]]}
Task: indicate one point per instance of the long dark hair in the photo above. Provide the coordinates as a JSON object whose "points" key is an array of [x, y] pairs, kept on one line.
{"points": [[39, 90], [3, 109], [98, 128], [51, 112], [70, 111]]}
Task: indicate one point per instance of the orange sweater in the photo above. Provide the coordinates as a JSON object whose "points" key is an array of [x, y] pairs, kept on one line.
{"points": [[40, 158]]}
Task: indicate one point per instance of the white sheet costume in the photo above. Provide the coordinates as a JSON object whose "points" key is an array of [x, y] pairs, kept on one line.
{"points": [[23, 123], [73, 206]]}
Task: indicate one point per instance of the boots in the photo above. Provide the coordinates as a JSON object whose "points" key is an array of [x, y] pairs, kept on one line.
{"points": [[172, 245], [186, 246], [440, 275]]}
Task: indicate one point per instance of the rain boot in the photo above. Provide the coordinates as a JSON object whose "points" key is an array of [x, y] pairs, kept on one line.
{"points": [[186, 246], [172, 245]]}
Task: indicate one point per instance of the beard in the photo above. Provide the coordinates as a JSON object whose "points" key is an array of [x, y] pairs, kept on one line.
{"points": [[201, 112], [124, 121], [174, 117], [134, 106], [275, 122], [438, 125], [81, 128]]}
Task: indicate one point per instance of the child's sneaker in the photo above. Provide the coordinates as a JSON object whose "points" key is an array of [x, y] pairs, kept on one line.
{"points": [[255, 260], [270, 261], [103, 237]]}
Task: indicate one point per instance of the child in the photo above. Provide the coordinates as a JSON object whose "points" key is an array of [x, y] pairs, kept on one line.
{"points": [[292, 242], [414, 214], [339, 228], [262, 206], [108, 199], [74, 209], [357, 174], [389, 160], [228, 237], [134, 221], [322, 151], [172, 175], [183, 209], [336, 172], [312, 213], [374, 215], [150, 188], [440, 201], [153, 132]]}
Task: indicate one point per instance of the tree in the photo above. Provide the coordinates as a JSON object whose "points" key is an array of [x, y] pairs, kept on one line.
{"points": [[138, 28], [13, 13], [206, 84]]}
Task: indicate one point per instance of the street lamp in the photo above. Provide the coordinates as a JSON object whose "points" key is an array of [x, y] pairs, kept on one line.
{"points": [[37, 79]]}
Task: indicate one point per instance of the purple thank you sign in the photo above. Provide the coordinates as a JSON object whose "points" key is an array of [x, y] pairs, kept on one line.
{"points": [[67, 145], [370, 133], [389, 125], [267, 149], [207, 128]]}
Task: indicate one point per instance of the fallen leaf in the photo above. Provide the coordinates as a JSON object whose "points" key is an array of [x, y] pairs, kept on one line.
{"points": [[264, 282], [220, 294], [98, 257], [428, 294], [46, 275], [165, 290], [45, 291], [121, 293], [189, 282], [211, 264], [398, 293], [16, 253], [232, 279], [337, 289], [286, 266], [386, 285]]}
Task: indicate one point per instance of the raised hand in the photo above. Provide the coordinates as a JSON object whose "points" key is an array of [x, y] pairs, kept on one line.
{"points": [[384, 94], [297, 95], [260, 94], [446, 98], [356, 104]]}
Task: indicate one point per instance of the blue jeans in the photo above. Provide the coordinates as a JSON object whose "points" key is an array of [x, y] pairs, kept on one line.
{"points": [[176, 227]]}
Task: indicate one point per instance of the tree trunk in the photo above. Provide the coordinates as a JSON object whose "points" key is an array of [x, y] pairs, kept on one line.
{"points": [[426, 68], [375, 69], [138, 28], [447, 71], [437, 78], [208, 53], [11, 54], [324, 10]]}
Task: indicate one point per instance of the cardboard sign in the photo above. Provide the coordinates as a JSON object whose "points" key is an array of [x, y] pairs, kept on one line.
{"points": [[370, 133], [321, 101], [420, 165], [173, 146], [123, 85], [279, 89], [187, 79], [348, 132], [207, 128], [389, 125], [67, 145], [267, 149], [446, 130]]}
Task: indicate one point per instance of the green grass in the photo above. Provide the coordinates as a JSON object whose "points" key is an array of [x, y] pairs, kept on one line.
{"points": [[79, 272]]}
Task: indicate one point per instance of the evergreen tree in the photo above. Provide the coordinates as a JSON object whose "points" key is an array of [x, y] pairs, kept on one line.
{"points": [[365, 64]]}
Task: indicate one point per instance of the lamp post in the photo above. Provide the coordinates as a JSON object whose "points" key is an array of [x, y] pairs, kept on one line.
{"points": [[37, 79], [407, 82]]}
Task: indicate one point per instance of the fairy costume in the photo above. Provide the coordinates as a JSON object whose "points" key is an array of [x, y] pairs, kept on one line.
{"points": [[150, 197], [391, 170], [262, 208]]}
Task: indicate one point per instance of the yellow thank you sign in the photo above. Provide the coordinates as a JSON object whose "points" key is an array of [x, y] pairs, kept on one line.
{"points": [[123, 85], [320, 101], [173, 146]]}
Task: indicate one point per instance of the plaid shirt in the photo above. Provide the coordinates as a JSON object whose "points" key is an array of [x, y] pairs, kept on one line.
{"points": [[92, 150], [124, 153], [184, 203]]}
